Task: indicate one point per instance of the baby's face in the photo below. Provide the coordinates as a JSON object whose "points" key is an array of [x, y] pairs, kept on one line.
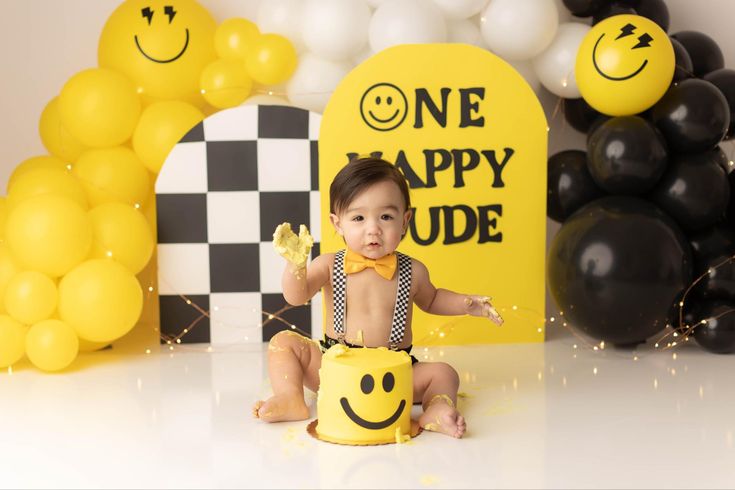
{"points": [[373, 223]]}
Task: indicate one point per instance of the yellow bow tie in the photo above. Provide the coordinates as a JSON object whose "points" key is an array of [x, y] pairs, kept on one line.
{"points": [[385, 266]]}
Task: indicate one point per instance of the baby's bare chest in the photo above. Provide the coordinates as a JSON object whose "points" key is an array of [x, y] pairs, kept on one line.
{"points": [[372, 296]]}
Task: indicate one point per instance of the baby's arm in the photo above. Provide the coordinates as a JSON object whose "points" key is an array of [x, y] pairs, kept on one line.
{"points": [[439, 301], [300, 283]]}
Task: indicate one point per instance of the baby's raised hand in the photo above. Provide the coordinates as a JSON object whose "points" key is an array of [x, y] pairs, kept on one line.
{"points": [[293, 248], [481, 306]]}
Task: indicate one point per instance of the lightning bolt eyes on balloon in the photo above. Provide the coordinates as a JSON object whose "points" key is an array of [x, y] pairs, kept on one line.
{"points": [[624, 65], [161, 45]]}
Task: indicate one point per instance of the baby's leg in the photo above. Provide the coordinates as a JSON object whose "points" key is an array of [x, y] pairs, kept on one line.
{"points": [[435, 384], [293, 362]]}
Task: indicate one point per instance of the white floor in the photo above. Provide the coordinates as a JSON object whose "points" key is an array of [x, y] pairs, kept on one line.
{"points": [[539, 416]]}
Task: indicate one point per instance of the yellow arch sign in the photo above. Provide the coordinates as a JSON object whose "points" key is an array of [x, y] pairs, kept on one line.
{"points": [[470, 136]]}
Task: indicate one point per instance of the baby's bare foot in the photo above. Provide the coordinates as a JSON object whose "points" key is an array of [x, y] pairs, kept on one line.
{"points": [[444, 418], [280, 408]]}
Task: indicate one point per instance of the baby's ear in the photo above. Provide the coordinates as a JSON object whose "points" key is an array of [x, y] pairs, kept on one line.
{"points": [[335, 222], [406, 218]]}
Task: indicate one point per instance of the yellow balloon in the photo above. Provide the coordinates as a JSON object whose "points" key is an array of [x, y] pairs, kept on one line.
{"points": [[121, 233], [12, 341], [46, 181], [149, 211], [88, 346], [8, 268], [161, 126], [624, 65], [30, 297], [55, 137], [234, 37], [48, 233], [271, 60], [3, 216], [100, 299], [162, 45], [51, 345], [100, 107], [34, 163], [225, 83], [113, 175]]}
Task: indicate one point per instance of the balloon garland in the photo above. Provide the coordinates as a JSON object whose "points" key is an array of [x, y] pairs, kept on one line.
{"points": [[646, 245]]}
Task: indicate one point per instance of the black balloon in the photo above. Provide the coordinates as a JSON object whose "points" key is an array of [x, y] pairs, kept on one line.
{"points": [[682, 62], [680, 318], [731, 204], [570, 185], [711, 242], [718, 156], [655, 10], [584, 8], [580, 115], [718, 333], [706, 55], [626, 155], [614, 8], [694, 190], [718, 278], [616, 267], [693, 116], [724, 79]]}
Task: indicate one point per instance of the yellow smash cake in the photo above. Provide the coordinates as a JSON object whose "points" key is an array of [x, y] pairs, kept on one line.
{"points": [[365, 396]]}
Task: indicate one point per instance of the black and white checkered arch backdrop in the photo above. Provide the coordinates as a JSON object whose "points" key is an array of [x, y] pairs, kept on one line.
{"points": [[220, 195]]}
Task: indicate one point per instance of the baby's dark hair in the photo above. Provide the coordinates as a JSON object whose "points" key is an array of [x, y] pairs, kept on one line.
{"points": [[360, 174]]}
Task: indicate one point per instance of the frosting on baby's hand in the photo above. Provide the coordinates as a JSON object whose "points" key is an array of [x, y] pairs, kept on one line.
{"points": [[291, 247], [481, 306]]}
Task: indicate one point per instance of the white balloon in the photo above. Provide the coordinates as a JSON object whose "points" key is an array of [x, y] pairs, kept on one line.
{"points": [[406, 22], [465, 31], [282, 17], [555, 66], [362, 55], [314, 80], [335, 29], [519, 29], [263, 99], [460, 9], [376, 3], [526, 70], [564, 14]]}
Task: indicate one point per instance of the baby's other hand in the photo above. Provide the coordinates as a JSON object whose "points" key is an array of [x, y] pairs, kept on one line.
{"points": [[481, 306], [293, 248]]}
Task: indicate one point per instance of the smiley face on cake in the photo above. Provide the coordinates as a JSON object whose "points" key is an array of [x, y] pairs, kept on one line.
{"points": [[365, 395]]}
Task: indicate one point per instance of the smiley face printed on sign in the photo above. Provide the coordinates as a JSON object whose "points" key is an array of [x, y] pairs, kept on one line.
{"points": [[368, 388], [383, 107], [624, 65], [162, 45]]}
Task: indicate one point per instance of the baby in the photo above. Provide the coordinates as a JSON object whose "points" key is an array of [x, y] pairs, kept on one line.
{"points": [[369, 291]]}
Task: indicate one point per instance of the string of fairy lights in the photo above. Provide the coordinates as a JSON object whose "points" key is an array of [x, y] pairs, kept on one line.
{"points": [[680, 333]]}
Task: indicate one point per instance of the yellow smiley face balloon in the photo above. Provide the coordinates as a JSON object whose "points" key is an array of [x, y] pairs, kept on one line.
{"points": [[162, 45], [624, 65]]}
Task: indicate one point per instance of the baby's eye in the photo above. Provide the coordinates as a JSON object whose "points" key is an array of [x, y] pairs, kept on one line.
{"points": [[357, 218], [386, 217]]}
